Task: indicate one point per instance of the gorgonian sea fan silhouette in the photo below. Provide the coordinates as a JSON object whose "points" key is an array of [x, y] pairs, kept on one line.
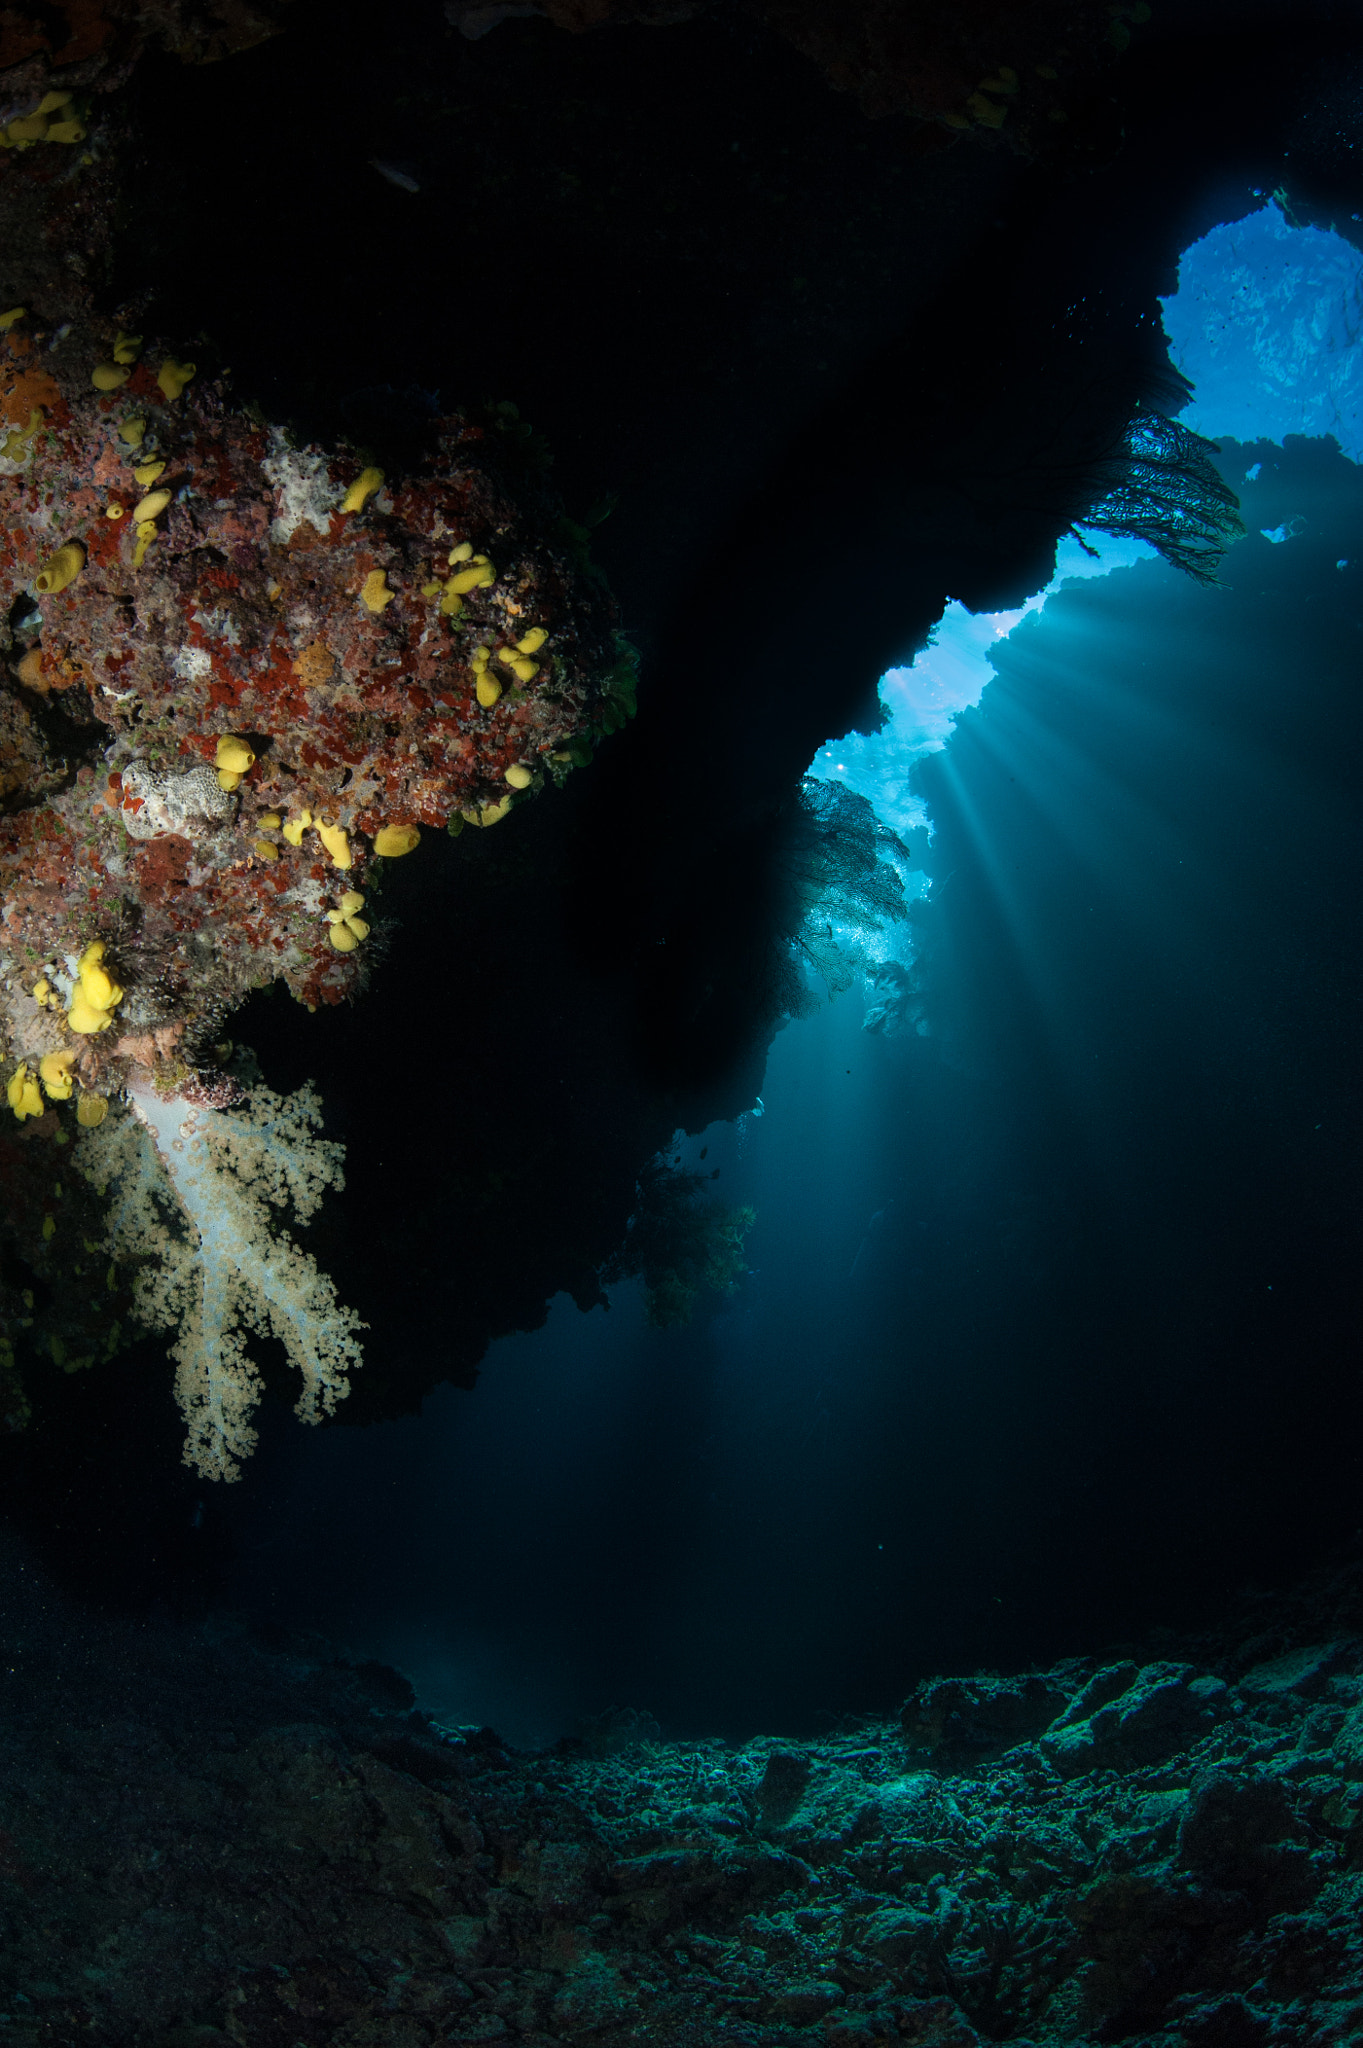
{"points": [[1162, 487]]}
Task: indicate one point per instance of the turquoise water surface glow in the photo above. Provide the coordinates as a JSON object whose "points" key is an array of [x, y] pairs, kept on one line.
{"points": [[1265, 325]]}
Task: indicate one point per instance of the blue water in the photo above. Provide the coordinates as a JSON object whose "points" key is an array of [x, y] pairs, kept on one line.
{"points": [[950, 676], [1032, 1290], [620, 1514], [1265, 324]]}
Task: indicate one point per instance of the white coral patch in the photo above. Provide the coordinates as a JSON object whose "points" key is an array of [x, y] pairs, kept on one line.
{"points": [[302, 488], [192, 804], [310, 896], [191, 664], [221, 625]]}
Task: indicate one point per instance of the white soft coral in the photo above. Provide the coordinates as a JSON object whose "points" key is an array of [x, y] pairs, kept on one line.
{"points": [[194, 1187]]}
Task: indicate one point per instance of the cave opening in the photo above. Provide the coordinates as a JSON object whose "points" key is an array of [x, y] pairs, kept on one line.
{"points": [[1025, 1244], [854, 1179]]}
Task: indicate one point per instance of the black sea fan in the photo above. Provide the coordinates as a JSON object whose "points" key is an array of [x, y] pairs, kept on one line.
{"points": [[1162, 487], [843, 870]]}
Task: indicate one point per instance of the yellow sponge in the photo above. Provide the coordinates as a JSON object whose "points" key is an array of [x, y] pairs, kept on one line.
{"points": [[394, 840], [362, 490], [375, 592], [172, 377], [54, 1069], [23, 1094], [336, 840], [63, 568]]}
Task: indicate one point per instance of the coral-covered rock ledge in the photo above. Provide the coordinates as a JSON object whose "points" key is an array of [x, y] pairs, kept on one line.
{"points": [[239, 671], [203, 1842]]}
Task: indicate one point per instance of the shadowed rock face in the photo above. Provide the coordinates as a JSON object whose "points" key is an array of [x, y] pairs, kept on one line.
{"points": [[960, 69], [205, 1841], [82, 43], [1157, 1713], [966, 1719]]}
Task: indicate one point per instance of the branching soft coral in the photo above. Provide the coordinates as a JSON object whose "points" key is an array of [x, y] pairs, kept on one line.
{"points": [[194, 1188]]}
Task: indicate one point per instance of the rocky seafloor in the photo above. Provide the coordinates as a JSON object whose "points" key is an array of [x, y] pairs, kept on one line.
{"points": [[206, 1839]]}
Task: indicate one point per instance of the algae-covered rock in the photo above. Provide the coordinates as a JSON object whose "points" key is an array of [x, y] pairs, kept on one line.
{"points": [[207, 1835], [1240, 1832], [1163, 1709], [1303, 1672], [962, 1717], [782, 1786], [806, 2001], [1348, 1744]]}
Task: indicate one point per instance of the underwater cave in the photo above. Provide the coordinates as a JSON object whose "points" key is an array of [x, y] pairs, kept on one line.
{"points": [[680, 753]]}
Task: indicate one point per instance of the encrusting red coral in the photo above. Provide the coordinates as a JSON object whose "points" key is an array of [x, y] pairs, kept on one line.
{"points": [[236, 665]]}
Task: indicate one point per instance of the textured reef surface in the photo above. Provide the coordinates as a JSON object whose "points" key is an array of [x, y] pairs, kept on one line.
{"points": [[270, 665], [245, 675], [241, 672], [204, 1841]]}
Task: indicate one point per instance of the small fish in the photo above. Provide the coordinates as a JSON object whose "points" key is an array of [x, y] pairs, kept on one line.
{"points": [[399, 172]]}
